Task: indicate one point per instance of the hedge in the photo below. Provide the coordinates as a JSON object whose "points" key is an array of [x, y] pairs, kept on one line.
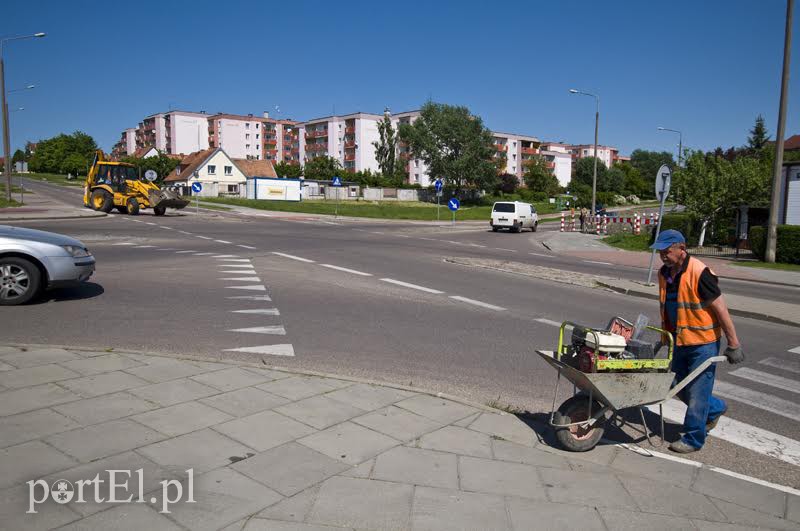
{"points": [[787, 249], [681, 222]]}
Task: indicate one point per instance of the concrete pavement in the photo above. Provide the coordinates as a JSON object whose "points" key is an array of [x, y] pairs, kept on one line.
{"points": [[270, 448], [42, 207]]}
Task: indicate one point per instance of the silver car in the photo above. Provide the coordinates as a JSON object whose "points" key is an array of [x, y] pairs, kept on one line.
{"points": [[34, 260]]}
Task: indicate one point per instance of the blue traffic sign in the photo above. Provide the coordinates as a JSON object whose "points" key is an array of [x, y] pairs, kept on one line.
{"points": [[197, 188], [337, 181], [438, 185], [453, 204]]}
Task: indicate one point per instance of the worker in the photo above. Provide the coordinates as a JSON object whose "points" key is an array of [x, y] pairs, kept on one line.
{"points": [[694, 312]]}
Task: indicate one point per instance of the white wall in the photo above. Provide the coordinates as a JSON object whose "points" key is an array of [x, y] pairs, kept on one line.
{"points": [[189, 134], [366, 134], [161, 132], [218, 177], [563, 169], [130, 140]]}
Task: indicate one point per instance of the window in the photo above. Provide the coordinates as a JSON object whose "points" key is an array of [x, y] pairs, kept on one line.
{"points": [[258, 157], [257, 135], [228, 170], [416, 177], [585, 152], [233, 188], [257, 125], [247, 125], [247, 146], [416, 163], [247, 136], [212, 170]]}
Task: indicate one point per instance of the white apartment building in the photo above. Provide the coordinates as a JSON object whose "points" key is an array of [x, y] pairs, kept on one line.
{"points": [[174, 132], [349, 139], [559, 159], [126, 144], [516, 149], [254, 137], [416, 168], [607, 154]]}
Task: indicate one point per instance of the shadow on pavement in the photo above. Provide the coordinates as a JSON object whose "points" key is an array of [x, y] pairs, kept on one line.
{"points": [[86, 290]]}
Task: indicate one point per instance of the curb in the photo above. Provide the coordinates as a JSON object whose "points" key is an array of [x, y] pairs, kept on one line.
{"points": [[100, 215]]}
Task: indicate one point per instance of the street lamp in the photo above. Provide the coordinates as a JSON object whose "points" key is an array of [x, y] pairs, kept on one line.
{"points": [[6, 138], [680, 142], [596, 126]]}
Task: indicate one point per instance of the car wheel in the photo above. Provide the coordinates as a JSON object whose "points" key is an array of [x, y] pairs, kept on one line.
{"points": [[535, 227], [102, 201], [159, 210], [20, 281], [495, 229], [132, 206]]}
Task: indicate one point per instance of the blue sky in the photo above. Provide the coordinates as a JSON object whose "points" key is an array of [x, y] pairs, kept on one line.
{"points": [[706, 67]]}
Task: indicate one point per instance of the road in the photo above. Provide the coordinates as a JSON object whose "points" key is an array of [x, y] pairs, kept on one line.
{"points": [[375, 300]]}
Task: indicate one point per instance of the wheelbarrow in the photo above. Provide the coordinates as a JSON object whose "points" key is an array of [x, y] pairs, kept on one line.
{"points": [[600, 397]]}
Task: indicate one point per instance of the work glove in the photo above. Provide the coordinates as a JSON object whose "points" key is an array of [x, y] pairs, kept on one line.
{"points": [[734, 355]]}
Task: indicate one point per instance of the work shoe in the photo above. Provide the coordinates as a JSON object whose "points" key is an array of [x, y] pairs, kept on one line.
{"points": [[711, 424], [681, 447]]}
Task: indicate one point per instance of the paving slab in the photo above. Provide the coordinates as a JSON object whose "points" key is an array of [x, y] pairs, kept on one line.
{"points": [[39, 374], [398, 423], [222, 497], [416, 466], [182, 418], [454, 510], [320, 411], [101, 440], [260, 524], [272, 375], [103, 384], [30, 398], [518, 453], [300, 387], [465, 422], [459, 441], [264, 430], [293, 509], [31, 358], [128, 516], [244, 402], [620, 520], [654, 467], [509, 427], [439, 409], [499, 477], [33, 425], [662, 498], [201, 450], [103, 408], [290, 468], [744, 493], [13, 507], [363, 504], [165, 371], [369, 397], [6, 367], [793, 508], [364, 470], [585, 488], [349, 442], [29, 461], [174, 392], [98, 364], [743, 516], [540, 514], [231, 379]]}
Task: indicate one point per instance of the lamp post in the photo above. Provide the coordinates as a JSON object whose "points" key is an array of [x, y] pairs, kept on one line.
{"points": [[596, 127], [6, 138], [680, 142]]}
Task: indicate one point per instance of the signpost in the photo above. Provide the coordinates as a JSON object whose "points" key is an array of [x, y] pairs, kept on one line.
{"points": [[663, 178], [151, 175], [438, 184], [337, 182], [196, 189], [453, 205]]}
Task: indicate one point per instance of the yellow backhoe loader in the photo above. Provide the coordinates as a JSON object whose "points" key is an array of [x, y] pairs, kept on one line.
{"points": [[119, 185]]}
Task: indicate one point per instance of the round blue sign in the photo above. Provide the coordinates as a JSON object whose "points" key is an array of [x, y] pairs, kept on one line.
{"points": [[453, 204], [438, 185], [197, 187]]}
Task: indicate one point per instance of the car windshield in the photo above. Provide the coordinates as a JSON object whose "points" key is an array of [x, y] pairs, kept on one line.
{"points": [[114, 173], [503, 207]]}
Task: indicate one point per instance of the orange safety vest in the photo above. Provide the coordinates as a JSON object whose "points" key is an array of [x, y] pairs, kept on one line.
{"points": [[696, 324]]}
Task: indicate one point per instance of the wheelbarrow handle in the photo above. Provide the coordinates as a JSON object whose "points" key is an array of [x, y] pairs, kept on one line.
{"points": [[692, 375]]}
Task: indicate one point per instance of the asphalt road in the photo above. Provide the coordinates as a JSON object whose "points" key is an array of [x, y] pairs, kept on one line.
{"points": [[343, 309]]}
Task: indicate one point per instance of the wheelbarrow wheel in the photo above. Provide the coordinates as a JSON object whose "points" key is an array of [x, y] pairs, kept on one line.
{"points": [[578, 438]]}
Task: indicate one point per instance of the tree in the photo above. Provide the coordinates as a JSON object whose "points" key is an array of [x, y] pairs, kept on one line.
{"points": [[74, 163], [538, 177], [632, 182], [19, 156], [322, 168], [454, 144], [758, 135], [583, 172], [288, 171], [507, 183], [52, 154], [647, 163], [386, 147]]}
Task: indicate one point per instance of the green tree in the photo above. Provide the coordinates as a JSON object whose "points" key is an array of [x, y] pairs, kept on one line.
{"points": [[538, 177], [507, 183], [583, 172], [322, 168], [52, 154], [288, 171], [454, 144], [758, 135], [74, 163], [647, 163], [632, 182], [386, 147], [19, 156], [614, 180]]}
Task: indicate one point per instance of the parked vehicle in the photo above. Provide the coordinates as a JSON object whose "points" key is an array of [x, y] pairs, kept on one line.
{"points": [[514, 216], [34, 260]]}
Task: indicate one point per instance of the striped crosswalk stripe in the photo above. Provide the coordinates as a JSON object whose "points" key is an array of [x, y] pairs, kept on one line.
{"points": [[773, 404], [784, 365], [766, 378]]}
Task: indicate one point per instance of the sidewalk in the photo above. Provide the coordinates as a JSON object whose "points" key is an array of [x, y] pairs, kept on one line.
{"points": [[38, 207], [276, 449]]}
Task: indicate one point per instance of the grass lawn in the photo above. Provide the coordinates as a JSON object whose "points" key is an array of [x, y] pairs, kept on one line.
{"points": [[411, 210], [13, 203], [629, 242], [765, 265], [54, 178], [5, 203]]}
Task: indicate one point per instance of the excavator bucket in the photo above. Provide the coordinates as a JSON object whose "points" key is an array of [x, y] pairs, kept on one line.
{"points": [[167, 199]]}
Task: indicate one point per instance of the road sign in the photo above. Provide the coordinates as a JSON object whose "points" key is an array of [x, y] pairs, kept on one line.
{"points": [[197, 188], [150, 175], [438, 185], [453, 204], [337, 181], [663, 178]]}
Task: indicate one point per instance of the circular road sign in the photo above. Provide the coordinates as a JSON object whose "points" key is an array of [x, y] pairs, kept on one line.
{"points": [[453, 204], [197, 188], [663, 178], [150, 175]]}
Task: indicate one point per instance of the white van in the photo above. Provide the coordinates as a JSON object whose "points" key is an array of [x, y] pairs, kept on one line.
{"points": [[514, 215]]}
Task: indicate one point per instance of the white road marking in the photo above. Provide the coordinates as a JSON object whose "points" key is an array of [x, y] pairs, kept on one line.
{"points": [[225, 256], [237, 260], [251, 298], [293, 257], [459, 243], [259, 311], [143, 246], [201, 254], [547, 322], [543, 255], [501, 249], [595, 262], [168, 228], [478, 303], [412, 286], [767, 379], [353, 271], [361, 230], [795, 350], [182, 252], [222, 241], [252, 287], [245, 266], [184, 232], [784, 365], [277, 330], [150, 223], [329, 223], [271, 350], [198, 236], [168, 249], [375, 232], [401, 236], [239, 271], [246, 247], [126, 243], [429, 239], [741, 434], [242, 279], [477, 245], [773, 404]]}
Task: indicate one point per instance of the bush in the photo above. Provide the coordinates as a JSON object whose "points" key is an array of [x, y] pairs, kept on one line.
{"points": [[787, 249], [620, 200], [607, 199], [682, 222], [633, 199]]}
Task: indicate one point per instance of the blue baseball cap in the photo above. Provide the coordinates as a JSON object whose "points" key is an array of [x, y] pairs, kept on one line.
{"points": [[667, 238]]}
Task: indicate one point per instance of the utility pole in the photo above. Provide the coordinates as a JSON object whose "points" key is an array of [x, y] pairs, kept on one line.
{"points": [[772, 228]]}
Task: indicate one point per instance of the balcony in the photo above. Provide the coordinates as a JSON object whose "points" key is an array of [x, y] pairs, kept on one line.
{"points": [[349, 145], [529, 151], [313, 148], [501, 147], [316, 134], [350, 130], [349, 157], [551, 165]]}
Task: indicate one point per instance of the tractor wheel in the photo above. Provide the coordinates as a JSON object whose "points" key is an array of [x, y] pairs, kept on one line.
{"points": [[159, 210], [578, 438], [102, 201], [20, 281], [132, 206]]}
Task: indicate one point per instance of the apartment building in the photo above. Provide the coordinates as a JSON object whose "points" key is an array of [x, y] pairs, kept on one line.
{"points": [[516, 150], [252, 137], [607, 154], [559, 158], [173, 132], [417, 169], [349, 139], [126, 145], [289, 143]]}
